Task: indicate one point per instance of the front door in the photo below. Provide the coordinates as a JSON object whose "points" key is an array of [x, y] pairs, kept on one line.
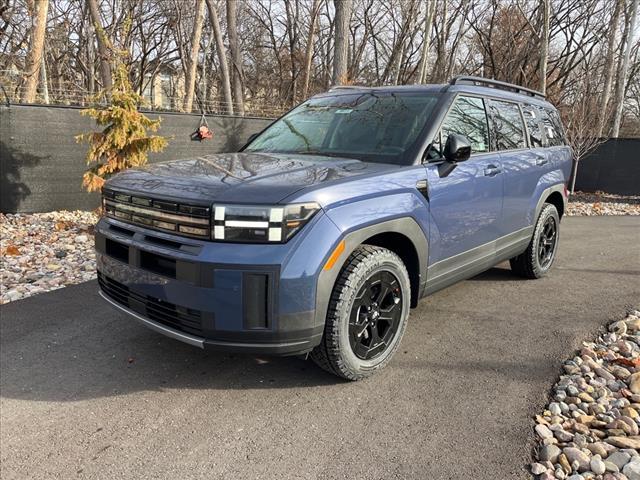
{"points": [[466, 205]]}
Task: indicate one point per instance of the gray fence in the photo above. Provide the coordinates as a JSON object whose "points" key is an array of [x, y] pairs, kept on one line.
{"points": [[41, 165], [613, 167]]}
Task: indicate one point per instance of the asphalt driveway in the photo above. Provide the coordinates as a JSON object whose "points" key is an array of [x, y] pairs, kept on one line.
{"points": [[87, 393]]}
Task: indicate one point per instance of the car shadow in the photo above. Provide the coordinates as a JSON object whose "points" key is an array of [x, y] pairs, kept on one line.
{"points": [[84, 349]]}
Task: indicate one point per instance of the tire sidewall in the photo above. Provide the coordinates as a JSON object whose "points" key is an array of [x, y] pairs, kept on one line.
{"points": [[548, 211], [365, 271]]}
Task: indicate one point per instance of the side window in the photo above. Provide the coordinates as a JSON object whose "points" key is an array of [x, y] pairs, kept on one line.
{"points": [[507, 125], [555, 119], [552, 128], [532, 118], [467, 117]]}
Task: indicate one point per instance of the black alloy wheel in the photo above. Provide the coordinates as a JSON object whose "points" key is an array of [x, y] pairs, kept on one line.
{"points": [[375, 315], [547, 242]]}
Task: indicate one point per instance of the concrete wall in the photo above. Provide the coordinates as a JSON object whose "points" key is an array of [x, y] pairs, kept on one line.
{"points": [[41, 165], [613, 167]]}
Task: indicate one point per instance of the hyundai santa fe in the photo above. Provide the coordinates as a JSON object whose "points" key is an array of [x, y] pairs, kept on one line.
{"points": [[321, 233]]}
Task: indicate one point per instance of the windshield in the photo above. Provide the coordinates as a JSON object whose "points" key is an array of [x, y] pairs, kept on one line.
{"points": [[374, 127]]}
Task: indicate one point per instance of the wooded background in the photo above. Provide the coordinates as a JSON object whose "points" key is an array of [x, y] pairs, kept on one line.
{"points": [[263, 56]]}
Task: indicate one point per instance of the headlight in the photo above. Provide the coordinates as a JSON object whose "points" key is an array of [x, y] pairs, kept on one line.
{"points": [[259, 223]]}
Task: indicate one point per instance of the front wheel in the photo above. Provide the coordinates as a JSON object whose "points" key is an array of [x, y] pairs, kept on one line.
{"points": [[367, 314], [536, 261]]}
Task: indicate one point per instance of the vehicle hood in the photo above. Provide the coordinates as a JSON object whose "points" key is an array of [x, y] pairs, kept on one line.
{"points": [[239, 177]]}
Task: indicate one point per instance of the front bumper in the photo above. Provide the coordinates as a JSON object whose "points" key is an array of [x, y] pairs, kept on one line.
{"points": [[206, 295]]}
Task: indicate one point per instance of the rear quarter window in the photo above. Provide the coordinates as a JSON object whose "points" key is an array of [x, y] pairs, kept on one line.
{"points": [[534, 127], [507, 125], [553, 133]]}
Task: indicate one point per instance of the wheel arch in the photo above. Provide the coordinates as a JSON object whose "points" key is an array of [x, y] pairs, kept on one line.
{"points": [[403, 236], [557, 200], [402, 246], [554, 195]]}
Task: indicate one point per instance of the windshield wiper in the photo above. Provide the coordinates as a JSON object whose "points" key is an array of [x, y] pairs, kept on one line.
{"points": [[319, 152]]}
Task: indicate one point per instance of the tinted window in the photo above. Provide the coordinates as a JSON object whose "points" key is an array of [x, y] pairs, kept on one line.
{"points": [[552, 128], [532, 117], [507, 125], [374, 127], [467, 117]]}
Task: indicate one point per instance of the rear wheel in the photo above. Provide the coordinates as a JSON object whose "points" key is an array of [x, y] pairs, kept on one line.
{"points": [[367, 314], [536, 261]]}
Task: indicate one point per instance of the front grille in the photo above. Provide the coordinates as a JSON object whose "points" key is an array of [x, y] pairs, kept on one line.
{"points": [[179, 318], [183, 219]]}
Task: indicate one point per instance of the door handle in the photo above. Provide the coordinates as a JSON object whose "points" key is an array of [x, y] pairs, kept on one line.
{"points": [[541, 161], [491, 171]]}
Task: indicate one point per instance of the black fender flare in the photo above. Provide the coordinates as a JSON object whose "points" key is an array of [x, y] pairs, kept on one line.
{"points": [[406, 226]]}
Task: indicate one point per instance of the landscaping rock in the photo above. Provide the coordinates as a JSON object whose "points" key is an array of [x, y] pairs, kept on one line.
{"points": [[591, 204], [594, 418], [45, 251]]}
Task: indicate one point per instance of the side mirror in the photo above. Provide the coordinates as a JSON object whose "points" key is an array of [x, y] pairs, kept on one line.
{"points": [[457, 148]]}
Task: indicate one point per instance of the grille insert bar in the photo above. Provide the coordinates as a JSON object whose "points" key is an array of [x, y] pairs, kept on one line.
{"points": [[186, 220], [174, 316]]}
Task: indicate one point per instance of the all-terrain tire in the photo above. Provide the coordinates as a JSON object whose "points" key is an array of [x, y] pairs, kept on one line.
{"points": [[529, 264], [335, 353]]}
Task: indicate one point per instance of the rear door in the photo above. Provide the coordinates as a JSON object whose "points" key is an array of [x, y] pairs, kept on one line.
{"points": [[519, 140], [465, 205]]}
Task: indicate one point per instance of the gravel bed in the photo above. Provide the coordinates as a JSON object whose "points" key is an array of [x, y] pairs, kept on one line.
{"points": [[599, 203], [45, 251], [590, 429]]}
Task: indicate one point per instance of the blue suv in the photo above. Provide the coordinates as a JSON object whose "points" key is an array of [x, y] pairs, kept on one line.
{"points": [[328, 226]]}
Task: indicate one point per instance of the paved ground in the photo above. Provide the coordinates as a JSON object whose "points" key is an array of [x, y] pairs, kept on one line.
{"points": [[86, 393]]}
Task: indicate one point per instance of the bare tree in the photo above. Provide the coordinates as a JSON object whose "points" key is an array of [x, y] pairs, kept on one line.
{"points": [[426, 42], [603, 110], [341, 44], [308, 56], [630, 24], [38, 10], [222, 57], [236, 57], [192, 60], [544, 45], [103, 47]]}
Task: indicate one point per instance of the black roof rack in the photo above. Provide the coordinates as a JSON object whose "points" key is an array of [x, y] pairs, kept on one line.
{"points": [[349, 87], [487, 82]]}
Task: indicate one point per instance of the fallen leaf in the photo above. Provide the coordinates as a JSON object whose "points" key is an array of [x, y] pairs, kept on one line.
{"points": [[62, 225], [12, 250], [628, 362]]}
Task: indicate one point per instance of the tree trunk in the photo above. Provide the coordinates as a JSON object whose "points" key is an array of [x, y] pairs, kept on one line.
{"points": [[44, 83], [222, 57], [426, 43], [630, 25], [341, 44], [609, 68], [192, 60], [90, 54], [308, 56], [236, 57], [38, 10], [544, 45], [292, 33], [103, 47]]}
